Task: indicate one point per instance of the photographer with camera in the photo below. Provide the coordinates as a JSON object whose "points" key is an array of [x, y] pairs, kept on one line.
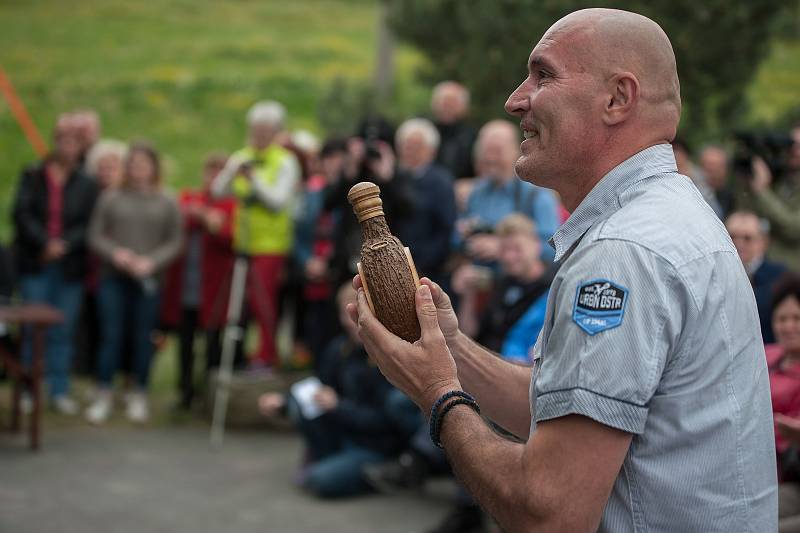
{"points": [[263, 177], [769, 172], [369, 157]]}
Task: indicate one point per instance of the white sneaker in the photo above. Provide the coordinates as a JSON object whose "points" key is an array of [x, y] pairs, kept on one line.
{"points": [[100, 410], [137, 409], [65, 405]]}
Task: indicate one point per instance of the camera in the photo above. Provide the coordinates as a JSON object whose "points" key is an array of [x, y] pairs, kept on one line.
{"points": [[772, 147]]}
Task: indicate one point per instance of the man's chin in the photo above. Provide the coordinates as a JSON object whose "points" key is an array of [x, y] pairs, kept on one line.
{"points": [[525, 168]]}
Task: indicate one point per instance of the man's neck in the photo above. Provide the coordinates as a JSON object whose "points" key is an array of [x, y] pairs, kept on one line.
{"points": [[572, 199]]}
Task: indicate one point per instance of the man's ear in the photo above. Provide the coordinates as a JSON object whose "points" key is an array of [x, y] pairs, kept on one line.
{"points": [[622, 98]]}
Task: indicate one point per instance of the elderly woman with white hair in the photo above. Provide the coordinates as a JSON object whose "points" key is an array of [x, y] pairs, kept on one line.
{"points": [[428, 230], [263, 177], [105, 162]]}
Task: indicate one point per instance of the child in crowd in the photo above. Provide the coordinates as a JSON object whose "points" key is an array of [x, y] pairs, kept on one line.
{"points": [[353, 429]]}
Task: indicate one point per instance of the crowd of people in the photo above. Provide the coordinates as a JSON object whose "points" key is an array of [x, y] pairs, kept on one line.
{"points": [[98, 235]]}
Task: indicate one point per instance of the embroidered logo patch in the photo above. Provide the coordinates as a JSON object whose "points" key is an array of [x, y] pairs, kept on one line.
{"points": [[599, 305]]}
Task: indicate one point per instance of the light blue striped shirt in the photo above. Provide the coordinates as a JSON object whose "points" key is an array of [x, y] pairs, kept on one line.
{"points": [[652, 328]]}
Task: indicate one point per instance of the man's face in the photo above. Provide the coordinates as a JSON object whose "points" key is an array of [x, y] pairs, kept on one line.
{"points": [[449, 107], [67, 143], [414, 152], [261, 135], [518, 252], [496, 156], [210, 171], [750, 242], [332, 165], [559, 106], [714, 163]]}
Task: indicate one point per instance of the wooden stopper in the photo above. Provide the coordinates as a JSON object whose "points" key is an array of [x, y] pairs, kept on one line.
{"points": [[366, 201]]}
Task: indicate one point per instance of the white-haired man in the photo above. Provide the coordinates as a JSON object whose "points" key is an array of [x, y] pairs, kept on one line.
{"points": [[500, 193], [449, 107], [428, 230], [263, 176]]}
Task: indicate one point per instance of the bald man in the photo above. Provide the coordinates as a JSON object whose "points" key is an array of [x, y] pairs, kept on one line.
{"points": [[647, 408]]}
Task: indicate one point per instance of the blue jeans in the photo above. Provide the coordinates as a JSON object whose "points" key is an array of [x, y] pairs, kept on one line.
{"points": [[126, 304], [336, 470], [339, 475], [49, 286]]}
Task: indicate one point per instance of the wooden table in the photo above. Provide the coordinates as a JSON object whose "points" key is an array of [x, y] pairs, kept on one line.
{"points": [[38, 317]]}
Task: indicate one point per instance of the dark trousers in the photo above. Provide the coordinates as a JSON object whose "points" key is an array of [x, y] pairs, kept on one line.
{"points": [[186, 333], [126, 304], [337, 462]]}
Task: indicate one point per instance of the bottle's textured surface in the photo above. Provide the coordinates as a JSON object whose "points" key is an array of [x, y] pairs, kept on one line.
{"points": [[387, 273]]}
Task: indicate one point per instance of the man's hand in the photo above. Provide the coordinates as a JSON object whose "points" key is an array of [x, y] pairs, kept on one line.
{"points": [[483, 246], [326, 398], [214, 219], [423, 370], [383, 167], [316, 268], [469, 277], [270, 403], [54, 250], [762, 177], [446, 315]]}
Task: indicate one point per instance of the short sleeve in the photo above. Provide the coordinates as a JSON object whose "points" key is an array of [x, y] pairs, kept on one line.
{"points": [[616, 314]]}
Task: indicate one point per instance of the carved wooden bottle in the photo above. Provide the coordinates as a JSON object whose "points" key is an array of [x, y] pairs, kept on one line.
{"points": [[387, 270]]}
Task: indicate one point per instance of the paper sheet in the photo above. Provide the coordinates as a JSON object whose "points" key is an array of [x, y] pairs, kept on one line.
{"points": [[303, 392]]}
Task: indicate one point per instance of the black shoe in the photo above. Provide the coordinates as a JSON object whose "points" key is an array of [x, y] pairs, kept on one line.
{"points": [[461, 519], [407, 472]]}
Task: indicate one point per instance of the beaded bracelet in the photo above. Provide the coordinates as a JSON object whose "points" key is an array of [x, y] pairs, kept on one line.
{"points": [[437, 428]]}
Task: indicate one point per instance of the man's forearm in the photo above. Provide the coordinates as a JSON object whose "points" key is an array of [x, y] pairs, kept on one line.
{"points": [[500, 387], [492, 469]]}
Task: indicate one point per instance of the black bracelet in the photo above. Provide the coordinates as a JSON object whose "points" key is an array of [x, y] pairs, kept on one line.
{"points": [[443, 398], [436, 426]]}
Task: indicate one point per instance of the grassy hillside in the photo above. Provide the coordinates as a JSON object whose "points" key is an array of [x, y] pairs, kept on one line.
{"points": [[181, 73]]}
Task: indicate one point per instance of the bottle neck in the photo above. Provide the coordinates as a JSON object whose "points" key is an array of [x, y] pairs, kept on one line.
{"points": [[374, 228]]}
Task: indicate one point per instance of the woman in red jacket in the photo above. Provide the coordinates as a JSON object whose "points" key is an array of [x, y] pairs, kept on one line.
{"points": [[196, 286]]}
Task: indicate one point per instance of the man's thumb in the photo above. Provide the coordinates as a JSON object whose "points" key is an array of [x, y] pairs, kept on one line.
{"points": [[426, 313]]}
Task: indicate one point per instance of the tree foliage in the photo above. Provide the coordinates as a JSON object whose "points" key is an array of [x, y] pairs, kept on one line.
{"points": [[718, 45]]}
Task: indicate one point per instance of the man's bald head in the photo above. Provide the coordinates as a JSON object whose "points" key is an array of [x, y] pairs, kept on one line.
{"points": [[602, 85], [609, 42]]}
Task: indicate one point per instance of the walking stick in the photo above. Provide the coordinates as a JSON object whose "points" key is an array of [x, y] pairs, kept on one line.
{"points": [[234, 332]]}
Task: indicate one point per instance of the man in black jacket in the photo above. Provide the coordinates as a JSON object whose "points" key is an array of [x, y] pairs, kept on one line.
{"points": [[51, 213], [449, 106]]}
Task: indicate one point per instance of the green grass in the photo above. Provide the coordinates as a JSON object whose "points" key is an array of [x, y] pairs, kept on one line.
{"points": [[181, 73]]}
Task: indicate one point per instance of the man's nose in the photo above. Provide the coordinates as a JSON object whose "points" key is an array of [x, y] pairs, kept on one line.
{"points": [[518, 103]]}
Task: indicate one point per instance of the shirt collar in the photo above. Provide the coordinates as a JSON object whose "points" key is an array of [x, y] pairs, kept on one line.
{"points": [[603, 199]]}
